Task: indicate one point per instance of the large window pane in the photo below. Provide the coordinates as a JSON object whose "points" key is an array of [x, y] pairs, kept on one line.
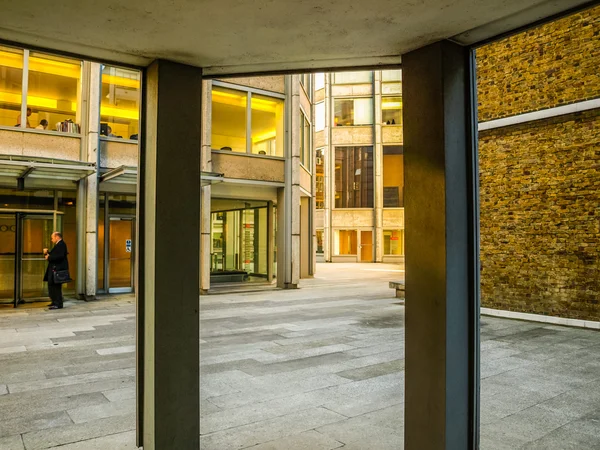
{"points": [[53, 94], [352, 77], [391, 75], [320, 250], [11, 80], [354, 177], [119, 108], [391, 110], [393, 176], [305, 147], [393, 242], [229, 119], [320, 180], [320, 116], [319, 81], [353, 111], [267, 125], [345, 242]]}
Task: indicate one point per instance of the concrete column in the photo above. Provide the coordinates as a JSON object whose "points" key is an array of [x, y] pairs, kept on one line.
{"points": [[93, 155], [442, 359], [270, 241], [169, 243], [378, 161], [206, 165]]}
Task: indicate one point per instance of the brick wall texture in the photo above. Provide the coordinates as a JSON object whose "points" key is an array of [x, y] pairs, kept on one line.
{"points": [[540, 217], [554, 64], [540, 181]]}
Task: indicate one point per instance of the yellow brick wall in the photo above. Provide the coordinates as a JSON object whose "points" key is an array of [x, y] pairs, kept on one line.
{"points": [[551, 65], [540, 216]]}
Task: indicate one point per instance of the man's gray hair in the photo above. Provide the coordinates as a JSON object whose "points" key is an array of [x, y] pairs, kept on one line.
{"points": [[58, 233]]}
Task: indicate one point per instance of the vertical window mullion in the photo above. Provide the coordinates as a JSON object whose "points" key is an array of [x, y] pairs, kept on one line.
{"points": [[24, 89], [249, 124]]}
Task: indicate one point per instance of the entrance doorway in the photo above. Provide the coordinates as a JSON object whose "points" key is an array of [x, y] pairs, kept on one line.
{"points": [[366, 246], [23, 237], [121, 254]]}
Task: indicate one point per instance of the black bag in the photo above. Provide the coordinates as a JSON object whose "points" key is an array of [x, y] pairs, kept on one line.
{"points": [[61, 276]]}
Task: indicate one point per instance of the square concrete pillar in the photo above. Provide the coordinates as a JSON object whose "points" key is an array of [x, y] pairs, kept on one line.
{"points": [[442, 249], [169, 266]]}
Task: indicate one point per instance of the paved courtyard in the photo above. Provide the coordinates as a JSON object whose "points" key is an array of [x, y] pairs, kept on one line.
{"points": [[317, 368]]}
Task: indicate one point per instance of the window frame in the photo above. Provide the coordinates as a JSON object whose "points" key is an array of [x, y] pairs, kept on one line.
{"points": [[25, 91], [307, 83], [304, 120], [401, 123], [249, 91], [371, 100]]}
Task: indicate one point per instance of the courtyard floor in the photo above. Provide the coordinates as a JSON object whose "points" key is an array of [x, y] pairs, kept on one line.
{"points": [[321, 367]]}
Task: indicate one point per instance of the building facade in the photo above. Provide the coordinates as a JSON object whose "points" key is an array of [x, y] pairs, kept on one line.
{"points": [[69, 158], [359, 156], [539, 157]]}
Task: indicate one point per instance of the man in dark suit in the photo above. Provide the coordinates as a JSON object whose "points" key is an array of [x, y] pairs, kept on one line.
{"points": [[57, 260]]}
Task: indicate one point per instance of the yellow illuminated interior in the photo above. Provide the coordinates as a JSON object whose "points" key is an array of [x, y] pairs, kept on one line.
{"points": [[119, 106]]}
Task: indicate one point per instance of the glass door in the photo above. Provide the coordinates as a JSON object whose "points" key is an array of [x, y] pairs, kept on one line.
{"points": [[121, 254], [8, 249], [35, 232]]}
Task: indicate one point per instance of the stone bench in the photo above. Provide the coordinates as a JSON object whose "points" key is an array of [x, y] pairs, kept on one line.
{"points": [[399, 286]]}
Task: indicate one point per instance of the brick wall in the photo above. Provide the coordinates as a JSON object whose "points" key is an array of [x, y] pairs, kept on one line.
{"points": [[540, 216], [554, 64]]}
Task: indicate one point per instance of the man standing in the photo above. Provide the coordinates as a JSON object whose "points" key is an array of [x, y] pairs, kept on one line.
{"points": [[57, 260]]}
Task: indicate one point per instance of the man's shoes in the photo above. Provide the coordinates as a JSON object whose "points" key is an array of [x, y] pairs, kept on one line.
{"points": [[55, 307]]}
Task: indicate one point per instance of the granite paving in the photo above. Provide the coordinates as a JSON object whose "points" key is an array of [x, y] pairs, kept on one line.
{"points": [[321, 367]]}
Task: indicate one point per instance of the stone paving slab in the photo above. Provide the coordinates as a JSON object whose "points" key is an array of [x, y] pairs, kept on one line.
{"points": [[320, 367]]}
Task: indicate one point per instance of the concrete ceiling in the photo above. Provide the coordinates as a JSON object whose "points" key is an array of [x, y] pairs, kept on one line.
{"points": [[236, 36]]}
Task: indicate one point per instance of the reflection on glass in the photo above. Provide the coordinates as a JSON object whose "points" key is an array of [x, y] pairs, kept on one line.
{"points": [[320, 116], [101, 250], [353, 111], [391, 110], [352, 77], [320, 250], [319, 81], [8, 227], [393, 176], [305, 148], [67, 201], [267, 125], [53, 93], [229, 120], [320, 179], [354, 177], [119, 106], [345, 242], [37, 231], [393, 242], [391, 75], [11, 80]]}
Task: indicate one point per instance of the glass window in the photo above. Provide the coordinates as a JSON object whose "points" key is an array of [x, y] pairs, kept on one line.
{"points": [[267, 125], [393, 176], [353, 111], [306, 80], [393, 242], [345, 242], [320, 250], [229, 119], [53, 93], [305, 147], [354, 177], [120, 100], [11, 81], [320, 180], [320, 116], [391, 110], [391, 75], [352, 77], [319, 81]]}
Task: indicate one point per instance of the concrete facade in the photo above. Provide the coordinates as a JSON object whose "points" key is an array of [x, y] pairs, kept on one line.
{"points": [[364, 220]]}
